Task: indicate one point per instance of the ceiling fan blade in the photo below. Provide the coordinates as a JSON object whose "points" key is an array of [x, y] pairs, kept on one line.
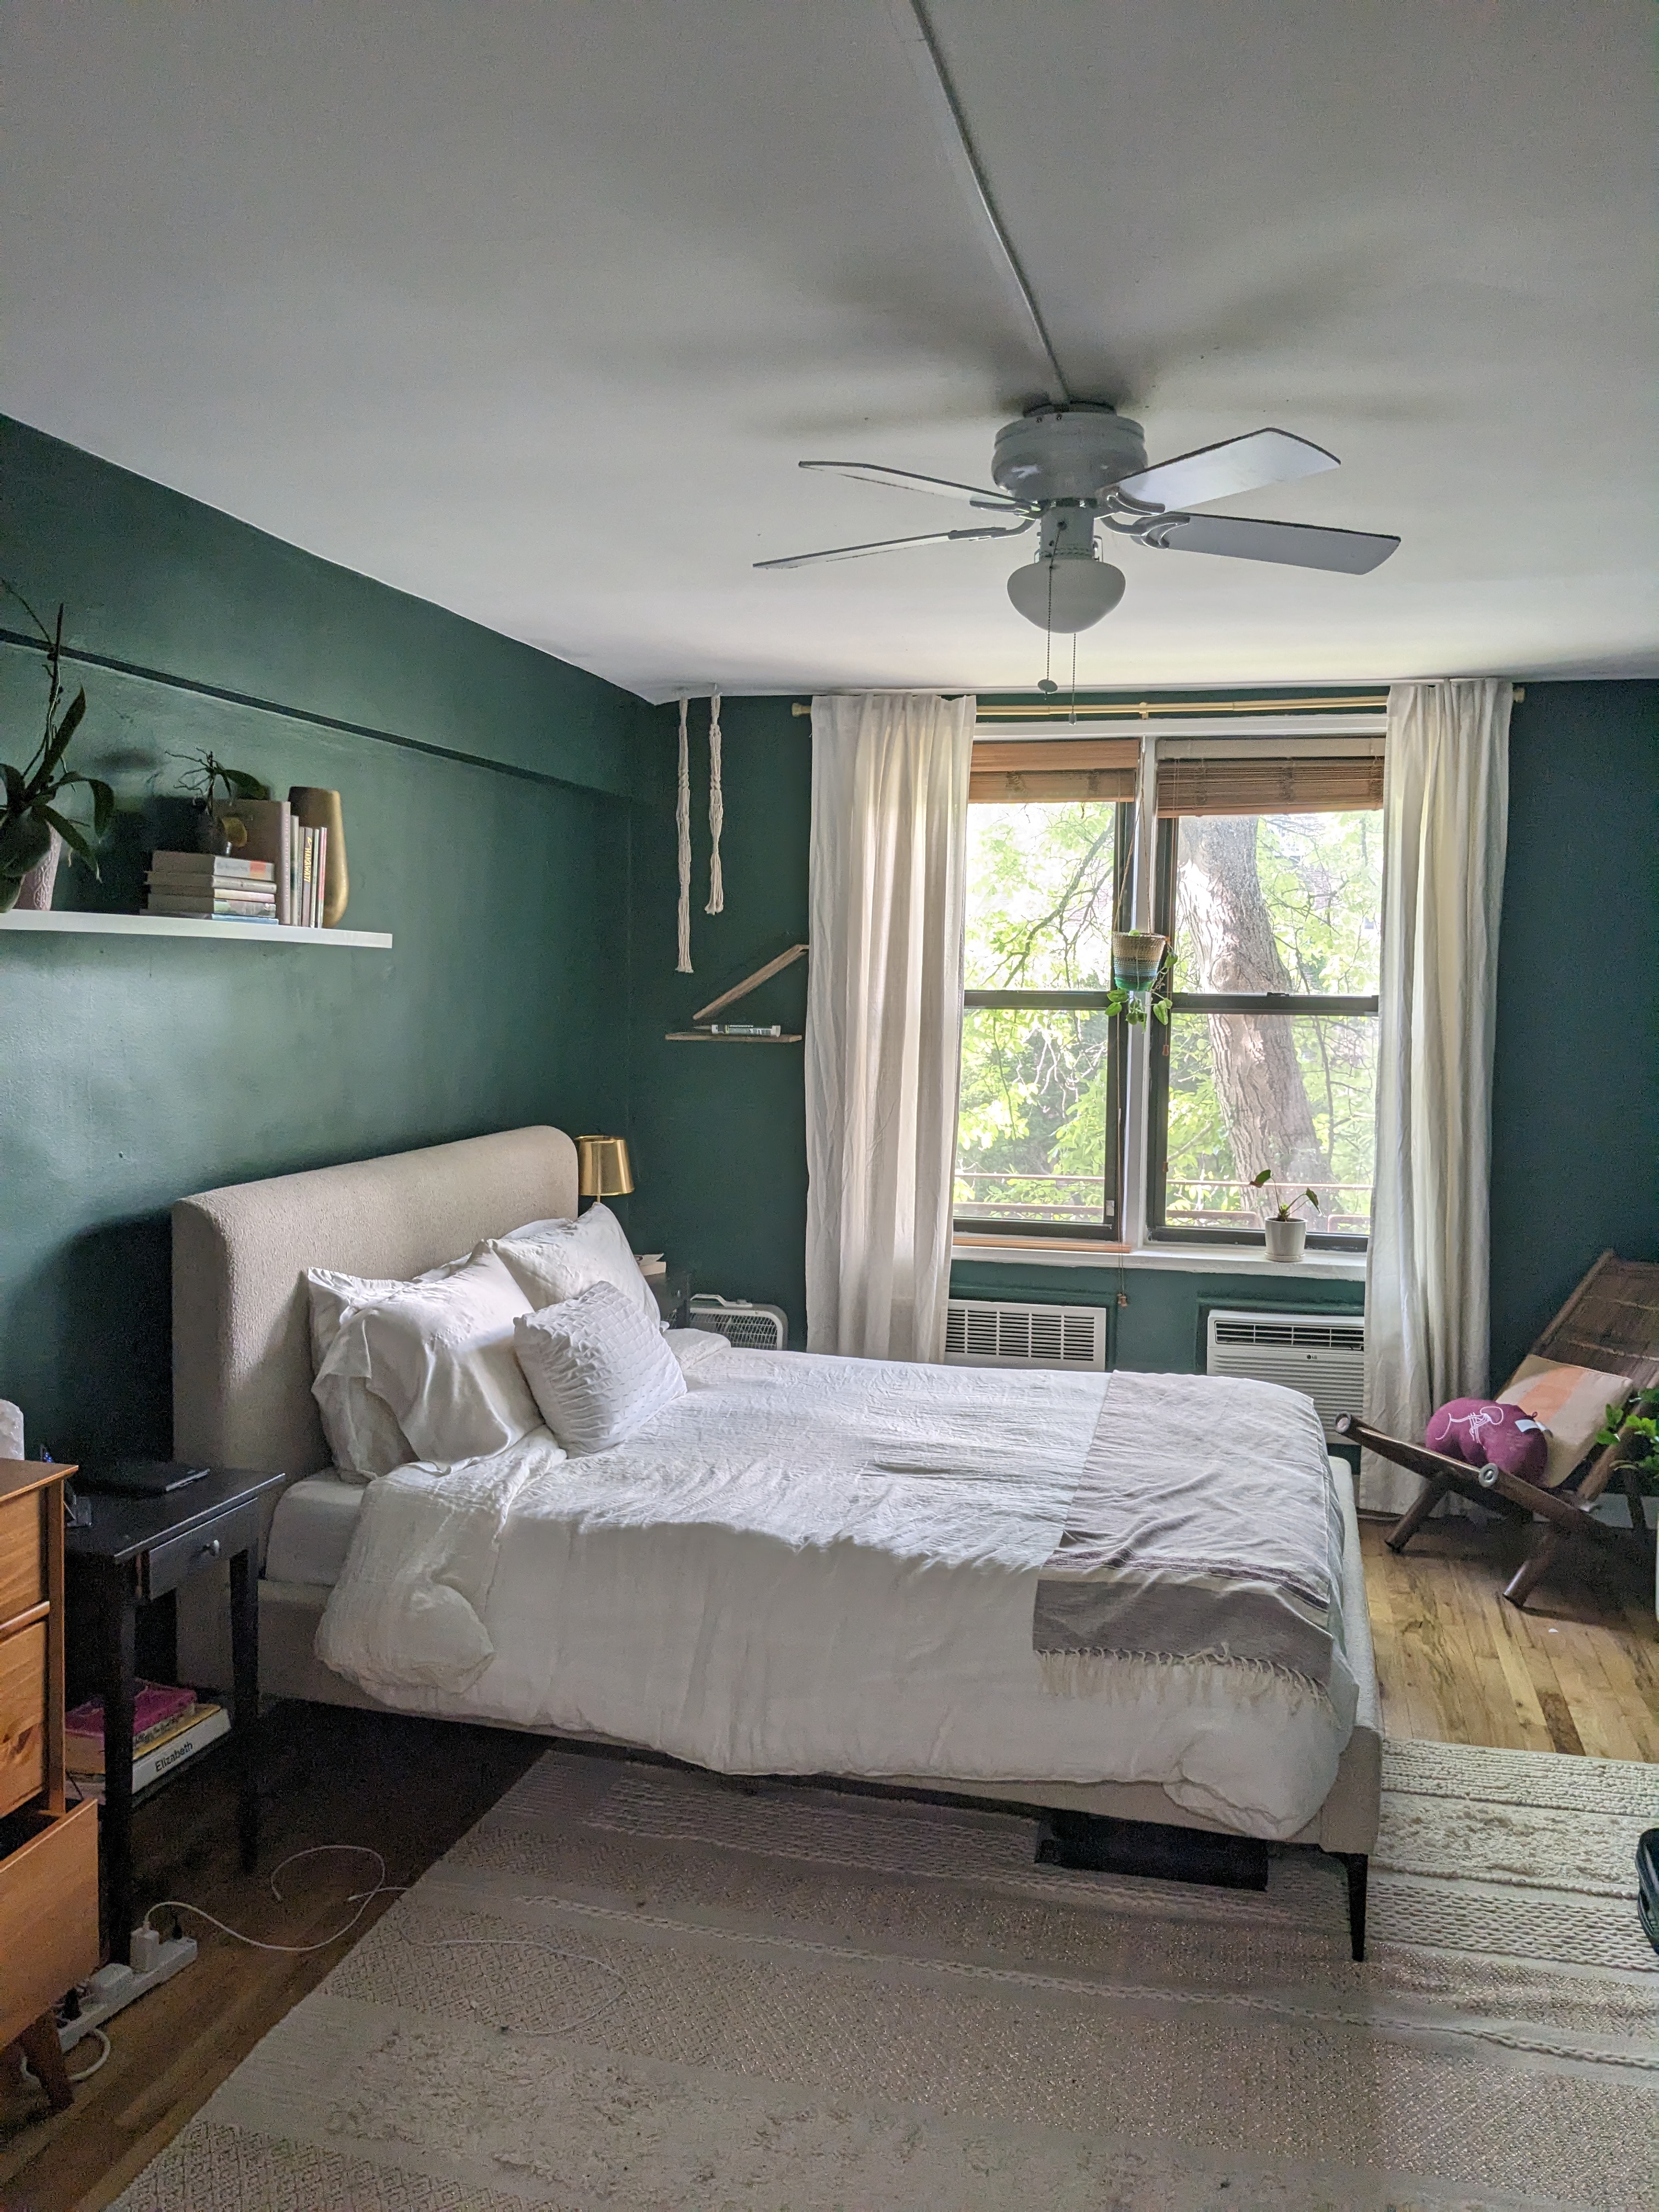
{"points": [[888, 544], [1235, 464], [1298, 545], [877, 472]]}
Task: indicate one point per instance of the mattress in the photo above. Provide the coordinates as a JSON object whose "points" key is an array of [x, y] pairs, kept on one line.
{"points": [[810, 1565], [312, 1531]]}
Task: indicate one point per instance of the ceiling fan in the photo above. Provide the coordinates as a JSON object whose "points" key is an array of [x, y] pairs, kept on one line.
{"points": [[1067, 466]]}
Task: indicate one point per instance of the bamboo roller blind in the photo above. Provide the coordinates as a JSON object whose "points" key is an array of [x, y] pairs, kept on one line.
{"points": [[1104, 768], [1070, 768]]}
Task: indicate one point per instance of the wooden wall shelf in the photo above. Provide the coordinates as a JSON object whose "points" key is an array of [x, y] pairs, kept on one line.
{"points": [[179, 925], [719, 1036]]}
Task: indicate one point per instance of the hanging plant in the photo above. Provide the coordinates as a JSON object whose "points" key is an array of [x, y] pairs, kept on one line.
{"points": [[1140, 978], [29, 818]]}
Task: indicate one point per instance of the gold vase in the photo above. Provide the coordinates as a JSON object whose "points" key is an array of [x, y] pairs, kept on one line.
{"points": [[317, 809]]}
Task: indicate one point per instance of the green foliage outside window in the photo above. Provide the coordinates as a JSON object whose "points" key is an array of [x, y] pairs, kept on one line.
{"points": [[1034, 1128]]}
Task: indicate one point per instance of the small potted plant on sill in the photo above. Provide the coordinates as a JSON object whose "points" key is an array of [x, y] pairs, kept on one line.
{"points": [[33, 832], [1285, 1232]]}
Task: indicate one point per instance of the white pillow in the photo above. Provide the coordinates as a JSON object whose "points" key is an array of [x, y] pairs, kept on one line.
{"points": [[439, 1351], [599, 1369], [551, 1261], [694, 1348], [363, 1432]]}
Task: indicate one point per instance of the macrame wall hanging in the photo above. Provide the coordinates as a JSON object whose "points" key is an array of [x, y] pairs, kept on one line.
{"points": [[716, 811], [683, 820], [683, 823]]}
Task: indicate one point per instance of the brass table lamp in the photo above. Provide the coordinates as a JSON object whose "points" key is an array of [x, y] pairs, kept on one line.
{"points": [[602, 1167]]}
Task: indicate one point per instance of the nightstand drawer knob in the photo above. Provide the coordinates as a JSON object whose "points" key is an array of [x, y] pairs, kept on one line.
{"points": [[212, 1549]]}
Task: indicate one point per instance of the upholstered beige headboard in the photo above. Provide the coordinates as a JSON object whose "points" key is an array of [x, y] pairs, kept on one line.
{"points": [[241, 1340]]}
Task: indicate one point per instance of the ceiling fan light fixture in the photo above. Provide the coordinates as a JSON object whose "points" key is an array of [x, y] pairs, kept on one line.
{"points": [[1066, 595]]}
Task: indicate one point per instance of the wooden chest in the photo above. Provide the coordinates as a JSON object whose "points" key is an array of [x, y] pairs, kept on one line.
{"points": [[48, 1855]]}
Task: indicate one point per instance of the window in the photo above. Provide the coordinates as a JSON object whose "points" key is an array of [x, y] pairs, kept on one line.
{"points": [[1038, 1138], [1269, 1059], [1267, 884]]}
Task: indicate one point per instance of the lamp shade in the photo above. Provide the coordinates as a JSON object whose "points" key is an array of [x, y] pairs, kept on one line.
{"points": [[1068, 594], [603, 1170]]}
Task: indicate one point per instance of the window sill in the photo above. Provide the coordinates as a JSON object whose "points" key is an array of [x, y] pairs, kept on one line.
{"points": [[1188, 1259]]}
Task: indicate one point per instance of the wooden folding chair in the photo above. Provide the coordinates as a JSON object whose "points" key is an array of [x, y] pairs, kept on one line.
{"points": [[1610, 1323]]}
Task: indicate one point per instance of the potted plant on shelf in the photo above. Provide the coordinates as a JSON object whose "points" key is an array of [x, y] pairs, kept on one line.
{"points": [[1287, 1232], [216, 790], [33, 832]]}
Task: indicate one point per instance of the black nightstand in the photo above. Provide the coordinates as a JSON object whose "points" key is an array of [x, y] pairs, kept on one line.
{"points": [[671, 1292], [126, 1551]]}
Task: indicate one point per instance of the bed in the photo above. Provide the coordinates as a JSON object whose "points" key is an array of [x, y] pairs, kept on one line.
{"points": [[767, 1675]]}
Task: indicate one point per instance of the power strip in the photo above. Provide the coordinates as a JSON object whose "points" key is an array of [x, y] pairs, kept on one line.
{"points": [[113, 1988]]}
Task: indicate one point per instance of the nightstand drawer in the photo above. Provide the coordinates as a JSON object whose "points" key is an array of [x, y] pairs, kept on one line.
{"points": [[48, 1913], [22, 1716], [166, 1565], [22, 1556]]}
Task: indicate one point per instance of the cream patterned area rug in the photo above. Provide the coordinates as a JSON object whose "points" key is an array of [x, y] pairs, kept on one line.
{"points": [[634, 1989]]}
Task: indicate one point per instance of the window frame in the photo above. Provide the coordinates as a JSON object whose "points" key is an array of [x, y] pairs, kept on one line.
{"points": [[1107, 1229], [1158, 1231]]}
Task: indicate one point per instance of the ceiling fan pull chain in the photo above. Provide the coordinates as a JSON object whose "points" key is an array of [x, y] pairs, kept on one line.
{"points": [[683, 820], [716, 809]]}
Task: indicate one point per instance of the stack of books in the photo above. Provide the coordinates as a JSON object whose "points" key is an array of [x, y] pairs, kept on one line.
{"points": [[207, 887], [168, 1727]]}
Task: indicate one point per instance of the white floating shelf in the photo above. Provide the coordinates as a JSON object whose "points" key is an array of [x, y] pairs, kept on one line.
{"points": [[179, 925]]}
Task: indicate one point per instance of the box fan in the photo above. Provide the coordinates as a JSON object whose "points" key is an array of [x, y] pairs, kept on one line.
{"points": [[757, 1329]]}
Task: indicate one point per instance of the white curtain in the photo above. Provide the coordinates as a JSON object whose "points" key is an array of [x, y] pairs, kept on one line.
{"points": [[1445, 804], [883, 1019]]}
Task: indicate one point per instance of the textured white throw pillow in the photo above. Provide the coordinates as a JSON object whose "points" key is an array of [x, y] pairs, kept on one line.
{"points": [[438, 1353], [363, 1432], [599, 1369], [551, 1261]]}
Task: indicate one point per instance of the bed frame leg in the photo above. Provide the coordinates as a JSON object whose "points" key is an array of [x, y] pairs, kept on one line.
{"points": [[1358, 1868]]}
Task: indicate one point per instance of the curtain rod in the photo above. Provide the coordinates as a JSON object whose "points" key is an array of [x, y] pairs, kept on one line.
{"points": [[1147, 710]]}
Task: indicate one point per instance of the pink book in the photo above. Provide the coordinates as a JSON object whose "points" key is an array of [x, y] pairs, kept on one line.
{"points": [[156, 1702]]}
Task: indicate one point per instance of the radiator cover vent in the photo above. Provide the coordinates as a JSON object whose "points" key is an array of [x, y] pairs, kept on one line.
{"points": [[987, 1333], [1322, 1355]]}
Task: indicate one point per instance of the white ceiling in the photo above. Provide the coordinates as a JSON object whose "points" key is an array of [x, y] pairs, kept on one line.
{"points": [[532, 308]]}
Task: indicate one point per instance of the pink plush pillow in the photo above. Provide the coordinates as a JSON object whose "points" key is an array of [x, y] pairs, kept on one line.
{"points": [[1485, 1434]]}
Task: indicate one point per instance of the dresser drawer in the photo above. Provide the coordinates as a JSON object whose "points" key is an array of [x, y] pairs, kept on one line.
{"points": [[22, 1556], [166, 1565], [22, 1716], [48, 1912]]}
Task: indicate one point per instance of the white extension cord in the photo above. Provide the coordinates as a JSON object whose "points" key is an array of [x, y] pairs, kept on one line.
{"points": [[363, 1899]]}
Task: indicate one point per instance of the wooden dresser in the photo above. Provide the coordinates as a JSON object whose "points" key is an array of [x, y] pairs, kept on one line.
{"points": [[48, 1856]]}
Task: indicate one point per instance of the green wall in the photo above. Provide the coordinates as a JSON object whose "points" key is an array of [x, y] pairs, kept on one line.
{"points": [[1576, 1098], [486, 827]]}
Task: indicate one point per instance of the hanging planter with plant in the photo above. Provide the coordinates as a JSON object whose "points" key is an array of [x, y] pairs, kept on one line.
{"points": [[1137, 962], [31, 829]]}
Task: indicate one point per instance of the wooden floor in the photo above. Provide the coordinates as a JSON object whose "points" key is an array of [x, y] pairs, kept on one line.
{"points": [[1579, 1673]]}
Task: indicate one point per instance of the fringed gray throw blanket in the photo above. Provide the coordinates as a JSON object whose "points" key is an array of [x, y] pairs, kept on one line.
{"points": [[1205, 1527]]}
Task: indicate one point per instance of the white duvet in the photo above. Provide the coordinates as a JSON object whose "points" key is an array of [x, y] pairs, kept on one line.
{"points": [[803, 1565]]}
